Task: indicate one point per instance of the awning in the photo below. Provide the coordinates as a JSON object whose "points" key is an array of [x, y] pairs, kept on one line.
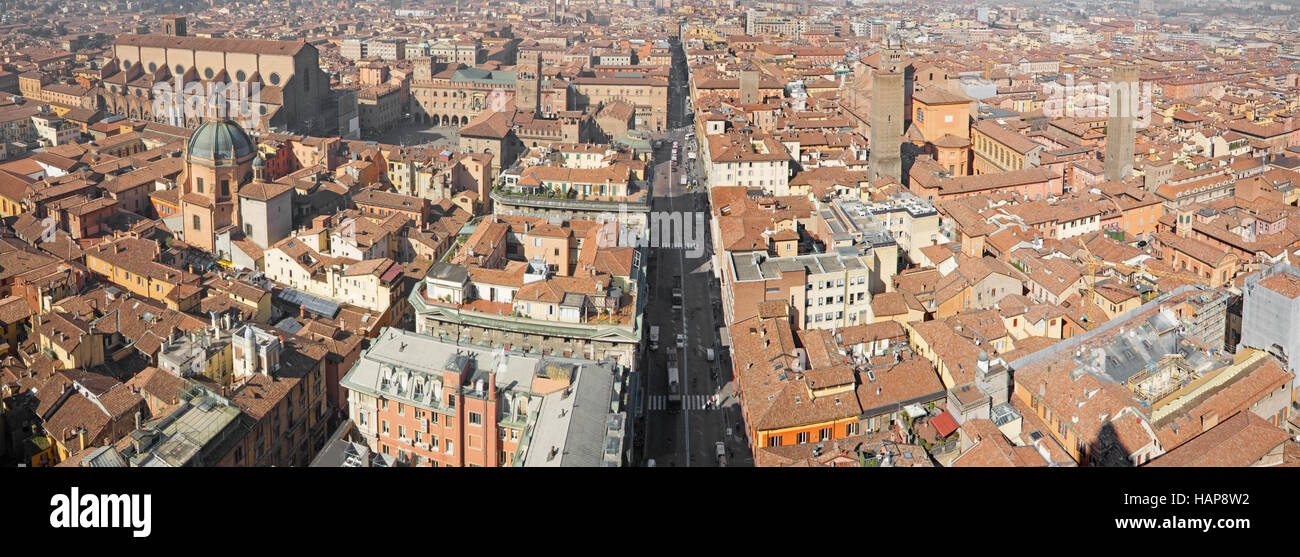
{"points": [[914, 410], [724, 336], [944, 424], [391, 274]]}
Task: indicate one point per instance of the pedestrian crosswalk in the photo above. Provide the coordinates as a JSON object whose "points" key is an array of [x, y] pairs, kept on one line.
{"points": [[689, 402]]}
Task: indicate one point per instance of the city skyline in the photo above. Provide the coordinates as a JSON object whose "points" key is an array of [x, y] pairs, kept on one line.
{"points": [[649, 233]]}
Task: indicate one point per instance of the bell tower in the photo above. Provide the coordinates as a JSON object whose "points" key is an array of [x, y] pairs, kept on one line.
{"points": [[173, 25]]}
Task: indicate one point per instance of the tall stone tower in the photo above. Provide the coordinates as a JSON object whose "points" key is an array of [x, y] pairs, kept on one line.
{"points": [[424, 68], [1119, 123], [528, 85], [886, 125], [889, 89], [891, 56], [749, 86]]}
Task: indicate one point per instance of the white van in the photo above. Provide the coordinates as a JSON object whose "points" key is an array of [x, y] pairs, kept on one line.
{"points": [[709, 354]]}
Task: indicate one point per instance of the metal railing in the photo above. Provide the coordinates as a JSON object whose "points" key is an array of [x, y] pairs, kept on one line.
{"points": [[564, 203]]}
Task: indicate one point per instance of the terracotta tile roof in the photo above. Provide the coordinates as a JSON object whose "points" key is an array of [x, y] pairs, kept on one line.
{"points": [[1193, 248], [992, 449], [264, 191], [920, 282], [1009, 138], [1285, 284], [241, 45], [500, 277], [615, 261], [938, 95], [843, 452], [489, 124], [1241, 440], [77, 412], [953, 351], [14, 310], [888, 304], [900, 383]]}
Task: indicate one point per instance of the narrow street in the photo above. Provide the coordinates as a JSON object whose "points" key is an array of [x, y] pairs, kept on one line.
{"points": [[687, 436]]}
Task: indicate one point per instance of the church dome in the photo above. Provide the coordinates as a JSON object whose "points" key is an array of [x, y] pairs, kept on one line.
{"points": [[220, 141]]}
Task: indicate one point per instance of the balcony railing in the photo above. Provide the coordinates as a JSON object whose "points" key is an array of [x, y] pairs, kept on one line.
{"points": [[565, 203], [623, 316]]}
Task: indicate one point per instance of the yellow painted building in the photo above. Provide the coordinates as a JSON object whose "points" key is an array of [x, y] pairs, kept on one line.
{"points": [[129, 263]]}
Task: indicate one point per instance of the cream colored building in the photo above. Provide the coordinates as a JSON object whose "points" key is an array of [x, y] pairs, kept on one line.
{"points": [[743, 161], [648, 94], [366, 284], [294, 88]]}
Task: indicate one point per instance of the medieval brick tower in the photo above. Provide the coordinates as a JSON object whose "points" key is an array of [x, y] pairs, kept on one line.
{"points": [[528, 86], [1119, 123]]}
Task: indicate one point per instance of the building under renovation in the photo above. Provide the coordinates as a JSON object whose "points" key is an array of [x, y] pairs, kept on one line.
{"points": [[1270, 315]]}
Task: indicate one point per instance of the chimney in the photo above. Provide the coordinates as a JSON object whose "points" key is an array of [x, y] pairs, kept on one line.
{"points": [[81, 438]]}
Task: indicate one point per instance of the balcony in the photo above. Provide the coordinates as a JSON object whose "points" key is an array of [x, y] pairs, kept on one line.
{"points": [[623, 316], [632, 203]]}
